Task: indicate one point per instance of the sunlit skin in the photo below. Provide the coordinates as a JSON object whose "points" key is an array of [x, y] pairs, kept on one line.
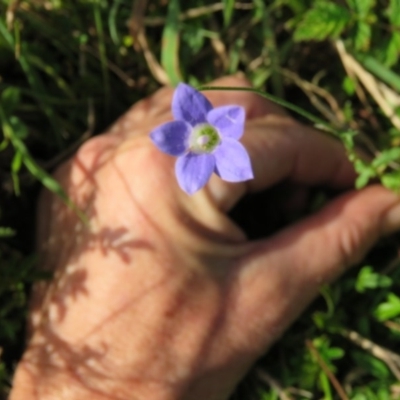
{"points": [[161, 296]]}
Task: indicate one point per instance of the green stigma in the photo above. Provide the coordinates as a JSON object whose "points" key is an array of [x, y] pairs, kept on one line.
{"points": [[204, 139]]}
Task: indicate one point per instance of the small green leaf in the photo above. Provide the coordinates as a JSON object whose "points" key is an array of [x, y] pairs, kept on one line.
{"points": [[362, 36], [386, 157], [4, 144], [368, 279], [15, 167], [335, 353], [325, 385], [20, 130], [364, 177], [393, 12], [348, 110], [349, 85], [392, 51], [348, 139], [391, 181], [326, 19], [365, 173], [127, 40], [371, 365], [194, 35], [389, 309], [234, 55], [10, 99], [361, 7], [6, 232]]}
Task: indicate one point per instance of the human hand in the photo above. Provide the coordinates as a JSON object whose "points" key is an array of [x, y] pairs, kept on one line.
{"points": [[162, 296]]}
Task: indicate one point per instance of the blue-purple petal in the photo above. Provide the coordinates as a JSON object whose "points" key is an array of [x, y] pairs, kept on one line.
{"points": [[172, 138], [194, 170], [189, 105], [229, 120], [232, 162]]}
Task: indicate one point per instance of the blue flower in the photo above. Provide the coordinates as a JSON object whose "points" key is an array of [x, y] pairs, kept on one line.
{"points": [[205, 140]]}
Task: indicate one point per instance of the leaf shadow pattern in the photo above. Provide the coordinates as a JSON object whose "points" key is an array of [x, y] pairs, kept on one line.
{"points": [[92, 370], [114, 240], [69, 282], [61, 251]]}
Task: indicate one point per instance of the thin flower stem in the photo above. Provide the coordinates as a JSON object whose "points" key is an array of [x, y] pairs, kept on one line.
{"points": [[321, 124]]}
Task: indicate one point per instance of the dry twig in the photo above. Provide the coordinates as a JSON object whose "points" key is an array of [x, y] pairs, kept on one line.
{"points": [[197, 12], [219, 47], [10, 13], [391, 359], [273, 383], [137, 30], [392, 325], [378, 90], [334, 114]]}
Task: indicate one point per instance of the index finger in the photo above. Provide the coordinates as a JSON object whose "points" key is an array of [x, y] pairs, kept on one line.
{"points": [[282, 149]]}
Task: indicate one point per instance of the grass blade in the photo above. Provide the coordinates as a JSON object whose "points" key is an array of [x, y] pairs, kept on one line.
{"points": [[317, 121], [382, 72], [229, 6], [103, 55], [33, 78], [170, 44]]}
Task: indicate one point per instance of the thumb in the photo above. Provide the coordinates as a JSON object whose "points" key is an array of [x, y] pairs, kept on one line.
{"points": [[285, 272]]}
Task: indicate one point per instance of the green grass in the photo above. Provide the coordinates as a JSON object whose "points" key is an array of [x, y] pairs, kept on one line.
{"points": [[68, 69]]}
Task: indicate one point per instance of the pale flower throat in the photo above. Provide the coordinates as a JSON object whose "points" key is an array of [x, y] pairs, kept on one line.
{"points": [[203, 139]]}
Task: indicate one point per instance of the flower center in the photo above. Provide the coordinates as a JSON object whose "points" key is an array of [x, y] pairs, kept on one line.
{"points": [[204, 139]]}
